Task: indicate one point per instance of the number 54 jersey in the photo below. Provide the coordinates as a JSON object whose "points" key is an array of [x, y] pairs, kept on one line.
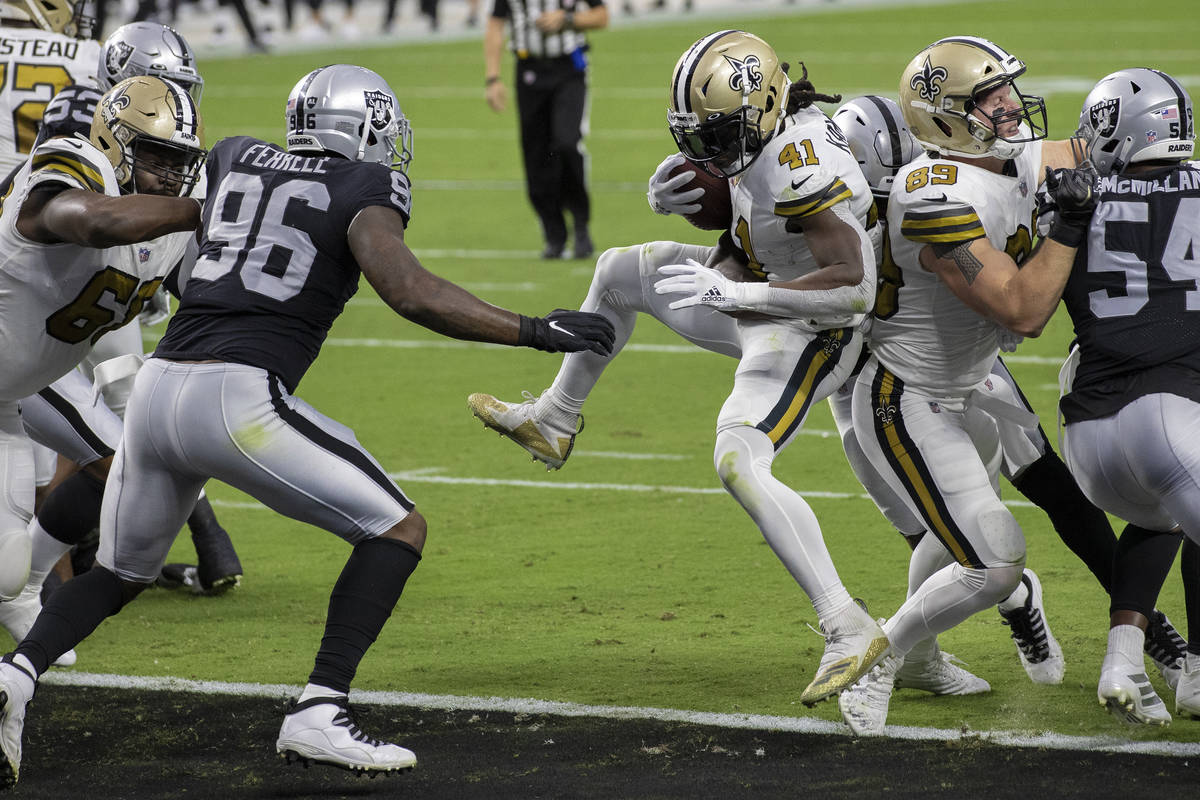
{"points": [[275, 268], [56, 300], [922, 332]]}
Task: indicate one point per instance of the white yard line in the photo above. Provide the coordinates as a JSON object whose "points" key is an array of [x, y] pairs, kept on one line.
{"points": [[524, 705]]}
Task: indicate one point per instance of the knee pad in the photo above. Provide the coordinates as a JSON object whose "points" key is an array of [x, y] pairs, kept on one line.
{"points": [[740, 451], [617, 281], [1002, 539], [15, 552]]}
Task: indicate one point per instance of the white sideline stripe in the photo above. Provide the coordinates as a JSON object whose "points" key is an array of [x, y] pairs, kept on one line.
{"points": [[518, 705], [630, 456]]}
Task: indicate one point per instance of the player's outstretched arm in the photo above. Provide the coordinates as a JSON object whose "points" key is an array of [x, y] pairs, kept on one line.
{"points": [[55, 215], [377, 240]]}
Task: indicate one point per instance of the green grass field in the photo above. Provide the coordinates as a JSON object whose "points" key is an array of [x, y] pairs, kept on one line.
{"points": [[619, 580]]}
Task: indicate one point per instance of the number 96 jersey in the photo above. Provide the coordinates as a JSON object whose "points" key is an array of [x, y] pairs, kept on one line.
{"points": [[56, 300], [805, 168], [922, 332], [275, 267]]}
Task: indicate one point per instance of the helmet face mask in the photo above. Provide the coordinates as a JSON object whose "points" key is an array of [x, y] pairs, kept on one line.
{"points": [[1136, 115], [880, 141], [728, 91], [145, 125], [941, 91], [350, 111], [74, 18], [148, 48]]}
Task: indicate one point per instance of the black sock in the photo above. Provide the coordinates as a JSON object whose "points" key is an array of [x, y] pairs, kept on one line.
{"points": [[360, 604], [1189, 566], [1082, 527], [73, 509], [202, 518], [1143, 560], [70, 615]]}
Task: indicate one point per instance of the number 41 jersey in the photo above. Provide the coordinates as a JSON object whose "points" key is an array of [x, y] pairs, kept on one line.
{"points": [[274, 268]]}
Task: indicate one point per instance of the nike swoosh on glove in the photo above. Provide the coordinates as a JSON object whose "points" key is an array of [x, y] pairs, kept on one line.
{"points": [[701, 286], [563, 331]]}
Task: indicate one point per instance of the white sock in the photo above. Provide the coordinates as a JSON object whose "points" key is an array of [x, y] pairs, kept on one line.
{"points": [[46, 553], [313, 690], [25, 664], [1016, 599]]}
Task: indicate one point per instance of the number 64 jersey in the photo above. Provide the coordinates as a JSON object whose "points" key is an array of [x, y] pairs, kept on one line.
{"points": [[56, 300], [275, 268]]}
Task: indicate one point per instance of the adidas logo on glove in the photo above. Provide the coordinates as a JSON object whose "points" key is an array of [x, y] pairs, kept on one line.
{"points": [[713, 295]]}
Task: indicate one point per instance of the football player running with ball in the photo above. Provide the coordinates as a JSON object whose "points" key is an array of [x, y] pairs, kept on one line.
{"points": [[283, 240], [784, 291]]}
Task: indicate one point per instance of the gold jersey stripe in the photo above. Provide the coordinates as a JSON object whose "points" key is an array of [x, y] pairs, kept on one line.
{"points": [[835, 192], [83, 173], [956, 227]]}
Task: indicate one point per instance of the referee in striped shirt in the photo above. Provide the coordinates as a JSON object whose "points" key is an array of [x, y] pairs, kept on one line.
{"points": [[551, 76]]}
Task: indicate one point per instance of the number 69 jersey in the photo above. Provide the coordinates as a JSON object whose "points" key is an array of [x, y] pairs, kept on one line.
{"points": [[56, 300], [275, 268], [922, 332], [806, 167]]}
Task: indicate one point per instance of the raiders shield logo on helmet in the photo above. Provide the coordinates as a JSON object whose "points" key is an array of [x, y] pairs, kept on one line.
{"points": [[380, 106], [1104, 116], [117, 57]]}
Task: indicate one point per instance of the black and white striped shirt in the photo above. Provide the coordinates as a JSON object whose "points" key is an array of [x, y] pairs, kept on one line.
{"points": [[527, 41]]}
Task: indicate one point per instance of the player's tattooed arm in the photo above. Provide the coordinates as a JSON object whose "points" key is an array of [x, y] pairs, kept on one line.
{"points": [[960, 254]]}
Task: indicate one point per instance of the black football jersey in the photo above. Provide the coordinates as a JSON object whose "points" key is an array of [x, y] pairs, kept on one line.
{"points": [[1134, 295], [275, 268]]}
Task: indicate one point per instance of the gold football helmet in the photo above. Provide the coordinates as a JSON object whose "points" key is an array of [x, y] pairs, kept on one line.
{"points": [[69, 17], [727, 93], [939, 90], [149, 124]]}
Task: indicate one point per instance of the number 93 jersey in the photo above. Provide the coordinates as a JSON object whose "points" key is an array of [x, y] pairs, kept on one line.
{"points": [[34, 66], [274, 268], [805, 168], [922, 332], [56, 300]]}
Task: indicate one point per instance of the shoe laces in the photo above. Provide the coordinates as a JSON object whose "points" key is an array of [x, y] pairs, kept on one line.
{"points": [[1164, 645], [1028, 630], [346, 718]]}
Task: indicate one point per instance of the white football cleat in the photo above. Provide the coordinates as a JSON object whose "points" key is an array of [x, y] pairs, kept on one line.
{"points": [[1187, 693], [322, 730], [545, 440], [1126, 691], [939, 673], [16, 687], [1040, 653], [864, 705], [853, 644], [1165, 647], [17, 617]]}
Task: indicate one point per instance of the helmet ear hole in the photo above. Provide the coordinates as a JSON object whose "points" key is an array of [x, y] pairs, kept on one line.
{"points": [[943, 127]]}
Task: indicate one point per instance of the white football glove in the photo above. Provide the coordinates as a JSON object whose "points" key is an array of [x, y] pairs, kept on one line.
{"points": [[666, 195], [156, 309], [703, 286]]}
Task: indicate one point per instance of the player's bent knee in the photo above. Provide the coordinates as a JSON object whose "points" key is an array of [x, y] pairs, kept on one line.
{"points": [[1002, 538], [411, 530]]}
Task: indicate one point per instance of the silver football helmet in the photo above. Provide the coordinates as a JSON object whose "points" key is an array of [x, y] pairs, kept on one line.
{"points": [[147, 48], [1136, 115], [350, 111], [879, 139]]}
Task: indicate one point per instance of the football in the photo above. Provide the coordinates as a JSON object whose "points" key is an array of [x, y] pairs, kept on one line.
{"points": [[716, 210]]}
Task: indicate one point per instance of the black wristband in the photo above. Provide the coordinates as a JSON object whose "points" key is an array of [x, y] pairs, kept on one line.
{"points": [[525, 337], [488, 81], [569, 21], [1066, 235]]}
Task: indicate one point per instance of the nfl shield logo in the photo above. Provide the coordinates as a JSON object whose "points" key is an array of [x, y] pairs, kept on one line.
{"points": [[143, 255], [1151, 136]]}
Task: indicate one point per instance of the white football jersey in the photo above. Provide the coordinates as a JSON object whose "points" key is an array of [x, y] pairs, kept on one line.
{"points": [[806, 167], [56, 300], [34, 66], [922, 332]]}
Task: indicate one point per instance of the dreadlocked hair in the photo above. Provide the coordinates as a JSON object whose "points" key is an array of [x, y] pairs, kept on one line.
{"points": [[801, 93]]}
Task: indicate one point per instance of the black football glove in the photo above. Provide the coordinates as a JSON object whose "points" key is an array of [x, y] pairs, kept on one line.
{"points": [[1074, 193], [563, 331]]}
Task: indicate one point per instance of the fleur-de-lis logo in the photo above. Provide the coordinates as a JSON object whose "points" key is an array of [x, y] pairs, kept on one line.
{"points": [[747, 74], [926, 81], [886, 414]]}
